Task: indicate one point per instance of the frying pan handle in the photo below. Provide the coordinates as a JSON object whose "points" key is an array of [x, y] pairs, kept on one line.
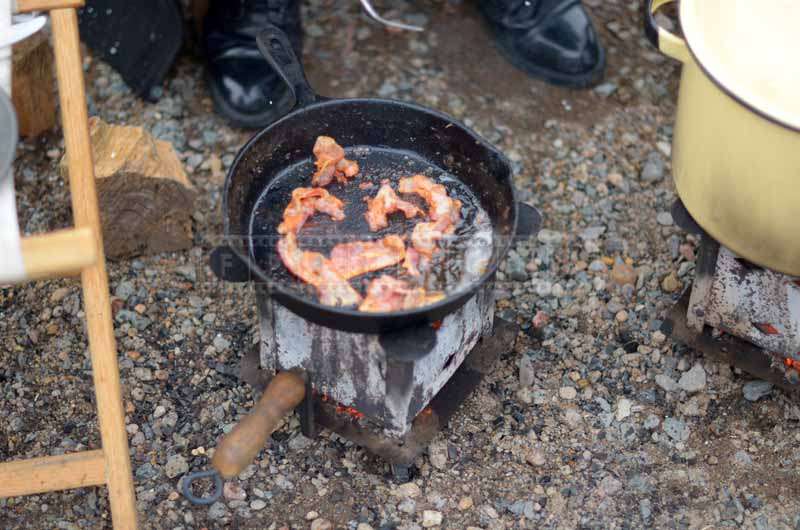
{"points": [[277, 50], [529, 220], [227, 265], [239, 447]]}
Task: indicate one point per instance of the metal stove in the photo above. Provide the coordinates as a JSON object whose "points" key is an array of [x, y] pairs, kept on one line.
{"points": [[739, 312], [392, 406]]}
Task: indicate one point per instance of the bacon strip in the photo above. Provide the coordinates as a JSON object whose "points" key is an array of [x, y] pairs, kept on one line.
{"points": [[384, 203], [315, 269], [331, 163], [444, 212], [360, 257], [386, 294], [305, 202]]}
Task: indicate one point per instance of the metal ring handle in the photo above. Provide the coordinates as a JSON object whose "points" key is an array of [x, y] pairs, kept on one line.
{"points": [[190, 478], [367, 5]]}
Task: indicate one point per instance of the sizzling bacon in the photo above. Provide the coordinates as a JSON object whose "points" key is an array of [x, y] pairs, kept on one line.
{"points": [[306, 201], [386, 294], [357, 258], [411, 262], [315, 269], [443, 210], [360, 257], [384, 203], [331, 162]]}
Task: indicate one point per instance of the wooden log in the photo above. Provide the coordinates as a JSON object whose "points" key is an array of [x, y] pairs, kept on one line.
{"points": [[33, 85], [146, 200]]}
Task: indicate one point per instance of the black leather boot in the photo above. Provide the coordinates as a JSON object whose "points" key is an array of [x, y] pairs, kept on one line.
{"points": [[243, 86], [553, 40]]}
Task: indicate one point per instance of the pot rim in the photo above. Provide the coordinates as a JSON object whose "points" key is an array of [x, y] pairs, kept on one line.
{"points": [[691, 32]]}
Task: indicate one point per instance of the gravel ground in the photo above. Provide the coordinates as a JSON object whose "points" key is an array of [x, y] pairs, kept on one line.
{"points": [[596, 420]]}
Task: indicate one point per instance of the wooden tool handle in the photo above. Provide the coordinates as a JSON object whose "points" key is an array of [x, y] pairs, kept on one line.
{"points": [[239, 447]]}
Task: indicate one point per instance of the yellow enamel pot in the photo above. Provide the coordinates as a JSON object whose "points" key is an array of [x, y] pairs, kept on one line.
{"points": [[736, 142]]}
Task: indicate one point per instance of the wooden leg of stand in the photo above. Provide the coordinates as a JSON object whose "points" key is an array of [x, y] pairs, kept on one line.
{"points": [[105, 368]]}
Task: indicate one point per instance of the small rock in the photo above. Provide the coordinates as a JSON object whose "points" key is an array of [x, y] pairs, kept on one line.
{"points": [[651, 422], [258, 504], [220, 343], [321, 524], [742, 458], [653, 169], [409, 490], [567, 392], [465, 503], [670, 283], [437, 453], [233, 492], [59, 294], [310, 516], [515, 266], [431, 518], [676, 429], [176, 465], [527, 374], [535, 457], [218, 510], [124, 290], [299, 443], [623, 274], [645, 509], [592, 233], [755, 390], [693, 380], [363, 526], [549, 237], [609, 486], [658, 338], [623, 408], [664, 218], [407, 506], [605, 89], [615, 179], [666, 382]]}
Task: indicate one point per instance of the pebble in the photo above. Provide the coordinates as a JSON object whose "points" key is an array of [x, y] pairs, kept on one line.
{"points": [[616, 179], [755, 390], [676, 429], [535, 457], [567, 392], [258, 504], [592, 233], [742, 458], [176, 465], [431, 518], [465, 503], [363, 526], [653, 169], [622, 274], [233, 492], [437, 453], [515, 266], [409, 490], [610, 486], [527, 374], [693, 380], [605, 89], [218, 510], [664, 218], [407, 506], [623, 408], [321, 524], [670, 283]]}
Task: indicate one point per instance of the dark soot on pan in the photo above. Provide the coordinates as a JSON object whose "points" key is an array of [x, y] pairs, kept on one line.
{"points": [[461, 259]]}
